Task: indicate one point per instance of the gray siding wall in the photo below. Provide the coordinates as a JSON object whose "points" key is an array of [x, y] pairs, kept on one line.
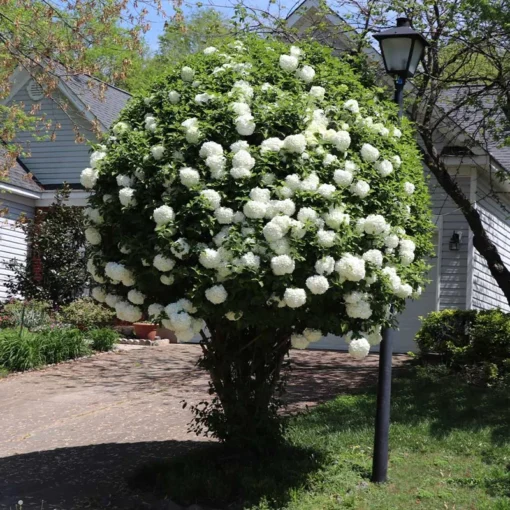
{"points": [[486, 293], [454, 264], [13, 244], [59, 159]]}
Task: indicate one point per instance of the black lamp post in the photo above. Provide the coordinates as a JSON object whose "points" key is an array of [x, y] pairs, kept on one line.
{"points": [[402, 49]]}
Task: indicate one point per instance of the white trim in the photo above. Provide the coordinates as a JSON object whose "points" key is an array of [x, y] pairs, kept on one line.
{"points": [[77, 197], [471, 249], [438, 221], [19, 191], [297, 14], [18, 79], [79, 104], [466, 162]]}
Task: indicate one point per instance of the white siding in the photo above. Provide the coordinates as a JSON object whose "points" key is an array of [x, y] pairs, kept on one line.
{"points": [[454, 264], [61, 159], [13, 244], [486, 293]]}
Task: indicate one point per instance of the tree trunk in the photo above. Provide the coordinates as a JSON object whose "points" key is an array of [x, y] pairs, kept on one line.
{"points": [[481, 240], [246, 375]]}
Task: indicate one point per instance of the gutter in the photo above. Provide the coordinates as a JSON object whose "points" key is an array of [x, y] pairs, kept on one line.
{"points": [[45, 198]]}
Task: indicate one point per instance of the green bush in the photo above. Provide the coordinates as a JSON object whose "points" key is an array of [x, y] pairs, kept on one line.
{"points": [[59, 345], [32, 314], [469, 339], [86, 314], [20, 352], [103, 339]]}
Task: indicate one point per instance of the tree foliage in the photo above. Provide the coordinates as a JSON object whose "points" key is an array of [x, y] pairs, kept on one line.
{"points": [[55, 269], [55, 40]]}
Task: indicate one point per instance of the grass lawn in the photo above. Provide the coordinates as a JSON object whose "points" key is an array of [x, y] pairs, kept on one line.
{"points": [[449, 450]]}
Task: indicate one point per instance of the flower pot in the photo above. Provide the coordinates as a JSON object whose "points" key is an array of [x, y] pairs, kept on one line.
{"points": [[145, 331], [168, 334]]}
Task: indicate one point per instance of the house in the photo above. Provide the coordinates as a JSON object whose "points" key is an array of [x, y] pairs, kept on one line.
{"points": [[81, 106], [458, 276]]}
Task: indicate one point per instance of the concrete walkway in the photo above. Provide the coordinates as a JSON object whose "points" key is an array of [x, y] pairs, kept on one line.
{"points": [[70, 434]]}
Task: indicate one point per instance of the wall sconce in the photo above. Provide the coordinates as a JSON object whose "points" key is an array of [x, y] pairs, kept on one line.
{"points": [[455, 241]]}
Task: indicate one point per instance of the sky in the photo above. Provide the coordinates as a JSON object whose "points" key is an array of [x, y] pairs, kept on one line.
{"points": [[157, 21]]}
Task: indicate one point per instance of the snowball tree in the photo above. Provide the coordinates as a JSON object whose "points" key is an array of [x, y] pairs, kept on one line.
{"points": [[261, 197]]}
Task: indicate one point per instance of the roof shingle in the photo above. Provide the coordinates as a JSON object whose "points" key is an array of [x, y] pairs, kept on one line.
{"points": [[104, 101], [17, 175], [479, 118]]}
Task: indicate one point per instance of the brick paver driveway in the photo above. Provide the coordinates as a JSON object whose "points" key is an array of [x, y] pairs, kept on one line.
{"points": [[71, 433]]}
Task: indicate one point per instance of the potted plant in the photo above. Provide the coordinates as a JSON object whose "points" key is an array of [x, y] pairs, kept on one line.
{"points": [[145, 330]]}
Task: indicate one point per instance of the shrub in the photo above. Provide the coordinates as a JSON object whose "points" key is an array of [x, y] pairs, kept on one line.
{"points": [[56, 270], [59, 345], [20, 352], [469, 340], [33, 314], [86, 314], [103, 339], [6, 320], [445, 332], [265, 196]]}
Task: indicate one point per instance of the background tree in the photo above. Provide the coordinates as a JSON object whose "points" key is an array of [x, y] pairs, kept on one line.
{"points": [[55, 269], [198, 30], [180, 38]]}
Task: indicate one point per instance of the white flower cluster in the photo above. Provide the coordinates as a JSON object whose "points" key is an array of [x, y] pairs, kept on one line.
{"points": [[298, 196], [303, 340], [406, 250], [92, 235], [89, 177], [128, 312], [242, 164], [180, 319], [119, 273], [163, 215], [192, 129], [357, 305], [212, 152]]}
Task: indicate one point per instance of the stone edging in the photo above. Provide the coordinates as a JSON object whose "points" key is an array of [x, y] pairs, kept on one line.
{"points": [[139, 341]]}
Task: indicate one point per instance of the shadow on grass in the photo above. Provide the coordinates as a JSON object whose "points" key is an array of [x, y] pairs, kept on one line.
{"points": [[220, 479], [445, 401]]}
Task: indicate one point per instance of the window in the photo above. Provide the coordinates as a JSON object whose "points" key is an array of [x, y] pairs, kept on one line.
{"points": [[35, 91], [456, 150]]}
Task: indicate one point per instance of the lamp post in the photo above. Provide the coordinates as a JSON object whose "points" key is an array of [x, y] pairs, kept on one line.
{"points": [[402, 49]]}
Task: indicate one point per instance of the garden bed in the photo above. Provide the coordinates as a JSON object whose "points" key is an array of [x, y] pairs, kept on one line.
{"points": [[23, 350]]}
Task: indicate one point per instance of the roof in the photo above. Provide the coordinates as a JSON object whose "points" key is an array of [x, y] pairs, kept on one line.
{"points": [[18, 175], [479, 118], [104, 101]]}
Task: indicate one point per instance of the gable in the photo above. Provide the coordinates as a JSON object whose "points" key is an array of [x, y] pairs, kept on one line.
{"points": [[60, 156]]}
